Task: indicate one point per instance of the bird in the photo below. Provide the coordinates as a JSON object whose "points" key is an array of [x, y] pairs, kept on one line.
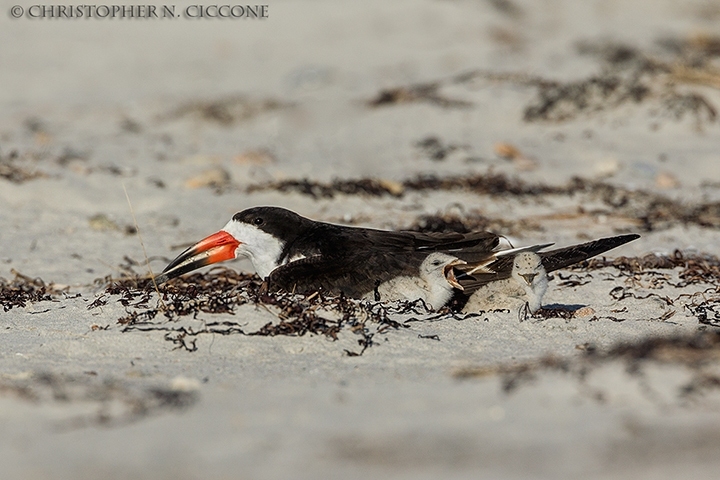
{"points": [[435, 284], [297, 254], [526, 285], [501, 266]]}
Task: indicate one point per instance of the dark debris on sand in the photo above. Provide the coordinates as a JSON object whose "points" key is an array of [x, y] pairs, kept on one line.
{"points": [[111, 402], [13, 170], [694, 351], [694, 268], [643, 278], [228, 110], [22, 290], [222, 291], [627, 76], [364, 186], [496, 184], [648, 210], [699, 270], [446, 223], [422, 92], [631, 76]]}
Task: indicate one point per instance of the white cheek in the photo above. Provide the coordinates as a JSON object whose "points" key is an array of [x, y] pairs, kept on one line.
{"points": [[260, 247]]}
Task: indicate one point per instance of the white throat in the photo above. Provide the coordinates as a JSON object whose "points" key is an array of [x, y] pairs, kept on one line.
{"points": [[432, 271], [440, 292], [260, 247], [530, 263]]}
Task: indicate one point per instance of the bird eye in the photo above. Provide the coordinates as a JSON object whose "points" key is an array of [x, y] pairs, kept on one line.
{"points": [[258, 221]]}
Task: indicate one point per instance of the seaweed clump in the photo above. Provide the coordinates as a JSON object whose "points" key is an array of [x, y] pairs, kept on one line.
{"points": [[221, 291], [22, 290]]}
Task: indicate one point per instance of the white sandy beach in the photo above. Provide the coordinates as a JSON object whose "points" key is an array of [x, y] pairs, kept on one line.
{"points": [[199, 118]]}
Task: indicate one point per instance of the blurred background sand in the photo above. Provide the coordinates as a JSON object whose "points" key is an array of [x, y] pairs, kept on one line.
{"points": [[189, 113]]}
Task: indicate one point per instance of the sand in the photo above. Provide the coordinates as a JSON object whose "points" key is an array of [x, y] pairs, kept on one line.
{"points": [[198, 119]]}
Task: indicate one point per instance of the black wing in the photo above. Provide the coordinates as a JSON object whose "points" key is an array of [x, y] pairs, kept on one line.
{"points": [[353, 277], [471, 247], [359, 259], [552, 260], [564, 257]]}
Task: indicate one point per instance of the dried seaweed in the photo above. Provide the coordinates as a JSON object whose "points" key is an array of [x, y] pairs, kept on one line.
{"points": [[495, 184], [429, 337], [433, 148], [693, 351], [365, 186], [627, 76], [112, 402], [489, 184], [555, 312], [22, 290], [423, 92], [693, 269], [696, 268], [573, 280], [707, 313], [228, 110], [12, 171], [651, 210], [446, 223], [213, 292], [562, 101], [222, 291]]}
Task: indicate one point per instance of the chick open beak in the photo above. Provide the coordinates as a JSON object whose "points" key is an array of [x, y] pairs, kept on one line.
{"points": [[450, 274]]}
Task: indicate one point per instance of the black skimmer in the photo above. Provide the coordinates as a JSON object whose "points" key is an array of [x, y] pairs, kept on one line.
{"points": [[435, 284], [526, 284], [297, 254]]}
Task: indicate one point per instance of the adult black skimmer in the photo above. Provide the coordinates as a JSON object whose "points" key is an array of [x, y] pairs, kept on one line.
{"points": [[526, 284], [297, 254]]}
